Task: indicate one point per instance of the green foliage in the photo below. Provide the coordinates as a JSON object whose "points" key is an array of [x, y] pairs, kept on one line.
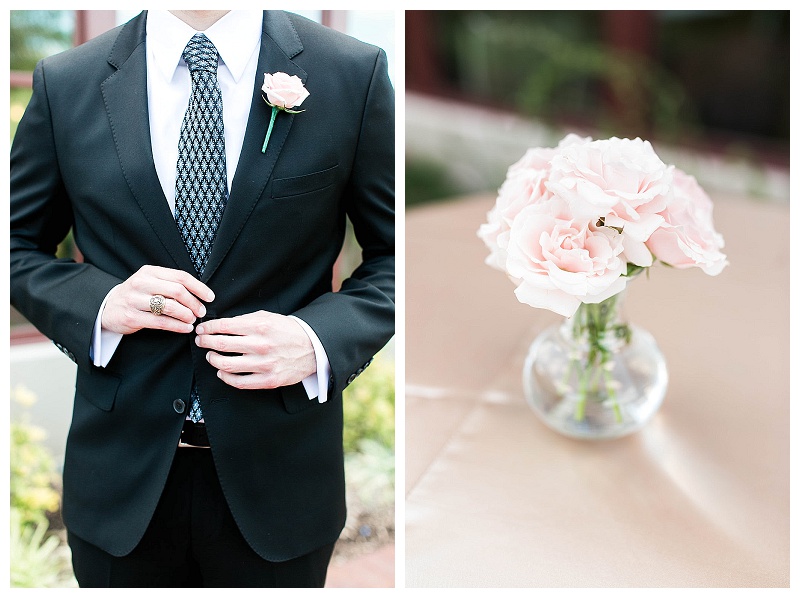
{"points": [[32, 475], [426, 182], [369, 406], [370, 471], [650, 95], [38, 557], [33, 471], [553, 64], [35, 34], [37, 560], [634, 270], [19, 98]]}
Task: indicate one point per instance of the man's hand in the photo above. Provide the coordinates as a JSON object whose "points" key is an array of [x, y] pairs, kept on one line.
{"points": [[274, 350], [128, 307]]}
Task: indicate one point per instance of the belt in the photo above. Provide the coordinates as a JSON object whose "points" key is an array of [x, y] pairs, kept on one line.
{"points": [[194, 434]]}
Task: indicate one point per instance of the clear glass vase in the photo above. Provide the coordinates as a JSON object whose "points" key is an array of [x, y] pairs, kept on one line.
{"points": [[595, 376]]}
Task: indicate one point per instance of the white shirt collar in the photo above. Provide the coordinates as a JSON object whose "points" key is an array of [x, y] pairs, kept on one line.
{"points": [[236, 36]]}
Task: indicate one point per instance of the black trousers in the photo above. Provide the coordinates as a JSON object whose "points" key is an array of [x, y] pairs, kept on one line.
{"points": [[193, 541]]}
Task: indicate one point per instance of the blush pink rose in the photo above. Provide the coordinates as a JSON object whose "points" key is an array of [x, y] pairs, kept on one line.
{"points": [[559, 262], [622, 181], [524, 185], [284, 91], [687, 238]]}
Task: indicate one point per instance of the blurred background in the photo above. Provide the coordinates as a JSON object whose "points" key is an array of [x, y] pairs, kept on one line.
{"points": [[709, 89], [483, 479], [43, 380]]}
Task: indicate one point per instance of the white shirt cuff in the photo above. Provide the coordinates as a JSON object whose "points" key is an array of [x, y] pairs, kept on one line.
{"points": [[104, 342], [316, 385]]}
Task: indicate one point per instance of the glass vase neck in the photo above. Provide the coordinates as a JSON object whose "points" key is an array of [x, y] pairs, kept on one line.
{"points": [[598, 327]]}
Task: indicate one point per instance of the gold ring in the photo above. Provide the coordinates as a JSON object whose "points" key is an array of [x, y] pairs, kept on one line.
{"points": [[157, 303]]}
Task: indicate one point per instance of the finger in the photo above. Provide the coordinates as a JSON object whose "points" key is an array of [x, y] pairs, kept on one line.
{"points": [[172, 309], [178, 292], [248, 382], [168, 324], [237, 364], [189, 282], [154, 322], [223, 343], [253, 323]]}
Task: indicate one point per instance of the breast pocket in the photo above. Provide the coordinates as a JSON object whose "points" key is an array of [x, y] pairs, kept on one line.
{"points": [[306, 183]]}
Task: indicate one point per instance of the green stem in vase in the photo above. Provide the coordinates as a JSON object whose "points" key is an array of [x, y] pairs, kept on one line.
{"points": [[596, 325], [573, 364], [580, 408], [612, 395], [596, 378]]}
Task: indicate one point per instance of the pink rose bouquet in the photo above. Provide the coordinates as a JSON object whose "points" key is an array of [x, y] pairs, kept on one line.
{"points": [[573, 224]]}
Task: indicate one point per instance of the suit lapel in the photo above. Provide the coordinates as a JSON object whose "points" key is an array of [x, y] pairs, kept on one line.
{"points": [[125, 96], [279, 43]]}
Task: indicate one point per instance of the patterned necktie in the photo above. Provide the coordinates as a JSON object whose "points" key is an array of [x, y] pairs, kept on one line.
{"points": [[201, 186]]}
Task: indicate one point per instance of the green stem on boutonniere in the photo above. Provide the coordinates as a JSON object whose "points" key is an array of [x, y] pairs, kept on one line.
{"points": [[269, 130]]}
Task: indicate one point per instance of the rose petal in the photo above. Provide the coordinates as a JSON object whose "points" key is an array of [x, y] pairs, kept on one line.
{"points": [[637, 253], [555, 300]]}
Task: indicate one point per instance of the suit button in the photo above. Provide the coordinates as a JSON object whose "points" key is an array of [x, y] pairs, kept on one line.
{"points": [[351, 378], [179, 406]]}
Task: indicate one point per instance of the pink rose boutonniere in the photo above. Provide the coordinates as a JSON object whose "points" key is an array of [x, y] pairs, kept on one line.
{"points": [[281, 92]]}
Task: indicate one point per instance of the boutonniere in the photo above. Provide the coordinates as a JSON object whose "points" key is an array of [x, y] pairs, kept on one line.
{"points": [[281, 92]]}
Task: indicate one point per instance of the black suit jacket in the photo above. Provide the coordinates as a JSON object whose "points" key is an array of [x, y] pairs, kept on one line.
{"points": [[82, 158]]}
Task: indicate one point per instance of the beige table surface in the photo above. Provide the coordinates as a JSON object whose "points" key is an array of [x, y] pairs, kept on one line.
{"points": [[698, 498]]}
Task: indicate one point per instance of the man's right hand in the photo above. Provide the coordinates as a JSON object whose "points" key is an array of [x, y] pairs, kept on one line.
{"points": [[127, 308]]}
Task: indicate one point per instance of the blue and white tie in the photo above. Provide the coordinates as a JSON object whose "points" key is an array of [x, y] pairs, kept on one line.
{"points": [[201, 185]]}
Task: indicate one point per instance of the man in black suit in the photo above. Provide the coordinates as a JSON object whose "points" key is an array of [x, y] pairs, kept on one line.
{"points": [[206, 440]]}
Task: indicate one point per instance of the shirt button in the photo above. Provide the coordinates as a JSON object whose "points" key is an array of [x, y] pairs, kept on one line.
{"points": [[179, 406]]}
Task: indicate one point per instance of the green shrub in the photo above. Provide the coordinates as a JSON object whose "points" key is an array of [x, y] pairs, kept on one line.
{"points": [[38, 560], [38, 557], [369, 406], [370, 472], [33, 471], [427, 182]]}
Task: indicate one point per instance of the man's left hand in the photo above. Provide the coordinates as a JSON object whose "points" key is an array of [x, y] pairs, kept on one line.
{"points": [[273, 350]]}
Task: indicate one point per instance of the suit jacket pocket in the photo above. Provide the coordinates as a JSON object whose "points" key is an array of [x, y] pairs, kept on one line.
{"points": [[99, 388], [306, 183], [295, 398]]}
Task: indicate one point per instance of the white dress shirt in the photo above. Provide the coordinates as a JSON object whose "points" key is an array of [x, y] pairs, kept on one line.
{"points": [[237, 37]]}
